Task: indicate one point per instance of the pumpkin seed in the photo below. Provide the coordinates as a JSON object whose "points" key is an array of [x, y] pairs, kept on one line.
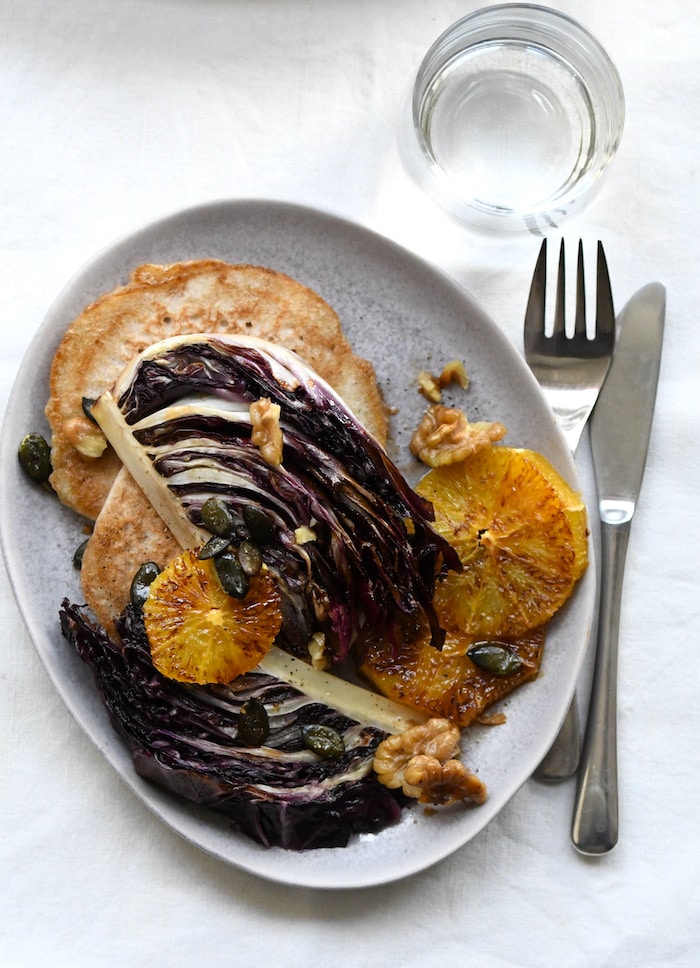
{"points": [[495, 658], [35, 457], [260, 525], [141, 582], [214, 546], [325, 741], [217, 517], [78, 555], [250, 558], [88, 403], [233, 579], [253, 723]]}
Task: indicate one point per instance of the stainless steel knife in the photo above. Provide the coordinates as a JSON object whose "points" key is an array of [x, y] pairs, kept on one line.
{"points": [[620, 428]]}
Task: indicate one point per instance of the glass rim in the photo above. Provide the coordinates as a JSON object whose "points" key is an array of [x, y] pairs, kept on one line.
{"points": [[565, 39]]}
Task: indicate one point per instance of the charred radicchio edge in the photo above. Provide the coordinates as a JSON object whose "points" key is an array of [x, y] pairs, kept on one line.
{"points": [[184, 405], [184, 738]]}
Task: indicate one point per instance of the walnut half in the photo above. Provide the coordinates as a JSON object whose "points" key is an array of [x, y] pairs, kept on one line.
{"points": [[267, 433], [432, 386], [445, 436], [421, 761]]}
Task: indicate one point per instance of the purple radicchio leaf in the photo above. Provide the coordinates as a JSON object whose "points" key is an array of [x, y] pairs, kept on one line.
{"points": [[185, 739], [374, 557]]}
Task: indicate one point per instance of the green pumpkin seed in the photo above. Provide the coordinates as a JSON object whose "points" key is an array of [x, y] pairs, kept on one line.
{"points": [[233, 579], [88, 403], [217, 517], [324, 741], [497, 659], [253, 723], [250, 558], [78, 555], [35, 457], [214, 546], [141, 583], [260, 526]]}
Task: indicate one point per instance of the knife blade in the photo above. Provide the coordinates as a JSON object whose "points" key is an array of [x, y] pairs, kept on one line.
{"points": [[620, 428]]}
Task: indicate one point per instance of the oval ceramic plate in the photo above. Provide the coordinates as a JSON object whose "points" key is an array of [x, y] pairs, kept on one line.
{"points": [[404, 316]]}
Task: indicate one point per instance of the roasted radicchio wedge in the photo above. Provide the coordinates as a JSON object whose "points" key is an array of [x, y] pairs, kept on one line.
{"points": [[186, 739], [352, 542]]}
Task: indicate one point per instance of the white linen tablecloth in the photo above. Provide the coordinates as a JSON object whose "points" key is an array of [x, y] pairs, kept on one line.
{"points": [[113, 114]]}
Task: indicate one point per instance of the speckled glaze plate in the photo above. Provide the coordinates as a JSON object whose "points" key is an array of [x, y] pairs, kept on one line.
{"points": [[405, 316]]}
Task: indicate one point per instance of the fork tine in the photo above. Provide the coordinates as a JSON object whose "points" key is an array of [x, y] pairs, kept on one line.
{"points": [[605, 310], [580, 318], [560, 301], [534, 313]]}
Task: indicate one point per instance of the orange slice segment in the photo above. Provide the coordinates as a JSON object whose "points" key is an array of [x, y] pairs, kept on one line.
{"points": [[446, 683], [198, 633], [521, 534]]}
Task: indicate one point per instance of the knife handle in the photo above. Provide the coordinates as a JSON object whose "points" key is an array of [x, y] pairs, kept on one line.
{"points": [[595, 820]]}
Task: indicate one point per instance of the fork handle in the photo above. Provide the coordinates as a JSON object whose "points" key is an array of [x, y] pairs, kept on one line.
{"points": [[595, 820]]}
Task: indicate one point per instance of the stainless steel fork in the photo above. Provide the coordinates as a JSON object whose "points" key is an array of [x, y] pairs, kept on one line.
{"points": [[570, 368]]}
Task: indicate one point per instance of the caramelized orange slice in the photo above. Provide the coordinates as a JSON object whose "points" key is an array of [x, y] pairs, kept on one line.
{"points": [[521, 534], [198, 633], [447, 683]]}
